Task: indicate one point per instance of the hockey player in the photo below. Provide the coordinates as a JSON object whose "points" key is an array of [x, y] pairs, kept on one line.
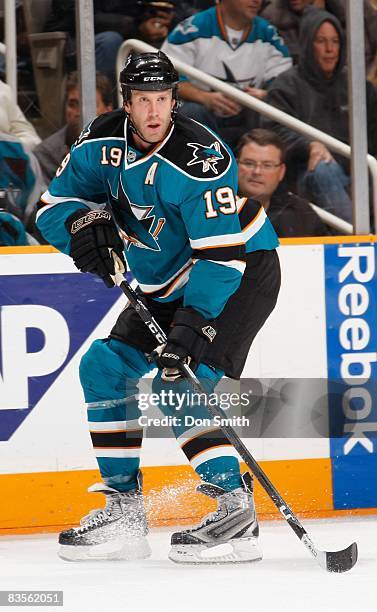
{"points": [[160, 189]]}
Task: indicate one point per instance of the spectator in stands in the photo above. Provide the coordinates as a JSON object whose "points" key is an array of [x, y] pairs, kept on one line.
{"points": [[232, 43], [372, 72], [315, 92], [12, 230], [2, 61], [114, 21], [261, 171], [13, 122], [20, 189], [338, 8], [286, 15], [54, 148], [372, 76]]}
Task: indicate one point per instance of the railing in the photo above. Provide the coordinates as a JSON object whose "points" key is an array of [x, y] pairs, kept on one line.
{"points": [[266, 110], [332, 220]]}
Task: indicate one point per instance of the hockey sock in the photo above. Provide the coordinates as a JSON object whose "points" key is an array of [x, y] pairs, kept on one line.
{"points": [[206, 447], [109, 374], [116, 441]]}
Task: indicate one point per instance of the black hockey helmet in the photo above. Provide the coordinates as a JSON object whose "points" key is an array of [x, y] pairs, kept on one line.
{"points": [[148, 72]]}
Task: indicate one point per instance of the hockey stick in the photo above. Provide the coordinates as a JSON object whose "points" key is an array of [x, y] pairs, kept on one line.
{"points": [[337, 561]]}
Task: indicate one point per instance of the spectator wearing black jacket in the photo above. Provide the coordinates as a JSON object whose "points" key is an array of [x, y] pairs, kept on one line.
{"points": [[51, 151], [261, 171], [316, 92], [114, 21], [286, 15]]}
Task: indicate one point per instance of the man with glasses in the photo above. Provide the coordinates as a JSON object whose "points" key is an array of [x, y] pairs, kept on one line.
{"points": [[261, 170]]}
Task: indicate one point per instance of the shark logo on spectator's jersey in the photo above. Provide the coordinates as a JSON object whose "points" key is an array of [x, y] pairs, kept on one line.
{"points": [[240, 83], [209, 156], [136, 224], [276, 36], [186, 26]]}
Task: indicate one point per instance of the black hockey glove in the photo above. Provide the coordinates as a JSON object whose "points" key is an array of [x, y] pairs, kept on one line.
{"points": [[93, 236], [186, 342]]}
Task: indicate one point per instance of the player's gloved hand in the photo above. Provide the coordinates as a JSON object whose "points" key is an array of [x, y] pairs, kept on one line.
{"points": [[93, 236], [186, 342]]}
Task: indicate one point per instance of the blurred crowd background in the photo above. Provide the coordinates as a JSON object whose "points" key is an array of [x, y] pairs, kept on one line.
{"points": [[289, 53]]}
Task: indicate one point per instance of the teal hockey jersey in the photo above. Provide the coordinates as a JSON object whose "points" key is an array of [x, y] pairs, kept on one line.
{"points": [[175, 207]]}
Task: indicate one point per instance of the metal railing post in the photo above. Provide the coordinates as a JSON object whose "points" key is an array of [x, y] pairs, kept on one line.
{"points": [[11, 47], [86, 59], [358, 116]]}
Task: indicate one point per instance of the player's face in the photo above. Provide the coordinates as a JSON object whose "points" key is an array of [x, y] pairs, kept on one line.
{"points": [[150, 112], [260, 170], [326, 48]]}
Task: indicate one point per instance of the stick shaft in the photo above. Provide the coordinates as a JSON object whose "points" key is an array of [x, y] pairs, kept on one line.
{"points": [[214, 410]]}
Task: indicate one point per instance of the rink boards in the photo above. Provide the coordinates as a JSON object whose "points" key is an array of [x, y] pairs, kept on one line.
{"points": [[323, 329]]}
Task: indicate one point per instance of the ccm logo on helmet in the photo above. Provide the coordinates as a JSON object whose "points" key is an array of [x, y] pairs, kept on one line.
{"points": [[153, 78]]}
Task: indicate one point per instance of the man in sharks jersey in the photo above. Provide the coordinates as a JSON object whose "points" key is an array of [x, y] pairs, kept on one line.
{"points": [[159, 190], [232, 43]]}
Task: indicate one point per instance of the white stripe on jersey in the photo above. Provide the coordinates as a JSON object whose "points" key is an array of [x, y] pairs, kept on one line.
{"points": [[178, 283], [255, 225], [213, 453], [153, 288], [231, 239], [233, 263], [52, 201], [217, 241]]}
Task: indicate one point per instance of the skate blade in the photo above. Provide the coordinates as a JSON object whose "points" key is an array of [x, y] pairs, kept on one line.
{"points": [[123, 548], [234, 551]]}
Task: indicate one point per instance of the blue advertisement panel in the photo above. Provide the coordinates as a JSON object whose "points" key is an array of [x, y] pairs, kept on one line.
{"points": [[44, 320], [351, 320]]}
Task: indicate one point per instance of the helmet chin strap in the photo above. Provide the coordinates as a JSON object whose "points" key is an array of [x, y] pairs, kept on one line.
{"points": [[134, 129]]}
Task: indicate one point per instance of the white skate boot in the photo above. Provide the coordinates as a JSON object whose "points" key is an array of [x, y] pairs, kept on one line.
{"points": [[117, 531], [228, 535]]}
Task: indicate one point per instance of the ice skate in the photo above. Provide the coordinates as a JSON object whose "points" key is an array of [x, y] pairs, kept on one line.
{"points": [[117, 531], [228, 535]]}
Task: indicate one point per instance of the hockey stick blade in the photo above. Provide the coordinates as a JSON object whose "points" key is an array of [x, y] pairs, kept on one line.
{"points": [[337, 561], [342, 560]]}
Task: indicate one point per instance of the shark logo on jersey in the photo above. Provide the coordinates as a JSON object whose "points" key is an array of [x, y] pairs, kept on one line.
{"points": [[186, 26], [84, 134], [209, 156], [136, 223]]}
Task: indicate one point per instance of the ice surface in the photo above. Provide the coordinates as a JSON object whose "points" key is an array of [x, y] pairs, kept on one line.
{"points": [[288, 578]]}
